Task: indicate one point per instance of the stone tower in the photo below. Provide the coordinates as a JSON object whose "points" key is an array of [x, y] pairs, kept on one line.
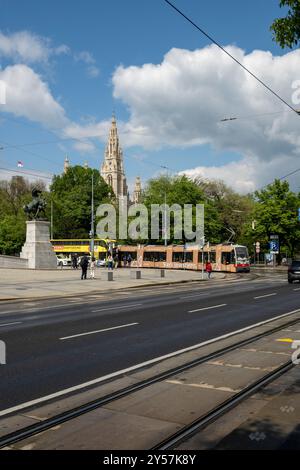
{"points": [[112, 169], [66, 165], [137, 193]]}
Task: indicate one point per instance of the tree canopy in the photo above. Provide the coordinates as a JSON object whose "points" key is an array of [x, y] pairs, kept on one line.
{"points": [[276, 212], [286, 30], [71, 194]]}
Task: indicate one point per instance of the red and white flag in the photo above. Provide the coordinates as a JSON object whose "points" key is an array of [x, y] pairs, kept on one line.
{"points": [[20, 164]]}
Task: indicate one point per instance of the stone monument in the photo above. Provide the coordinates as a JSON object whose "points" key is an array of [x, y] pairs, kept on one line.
{"points": [[37, 248]]}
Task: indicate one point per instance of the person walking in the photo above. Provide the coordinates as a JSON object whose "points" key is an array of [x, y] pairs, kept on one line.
{"points": [[84, 262], [129, 259], [208, 269], [92, 268], [116, 261], [125, 261], [110, 262]]}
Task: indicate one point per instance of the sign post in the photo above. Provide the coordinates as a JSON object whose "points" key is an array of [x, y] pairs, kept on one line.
{"points": [[257, 250], [274, 246]]}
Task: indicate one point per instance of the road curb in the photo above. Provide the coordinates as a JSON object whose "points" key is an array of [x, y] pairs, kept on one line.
{"points": [[30, 299]]}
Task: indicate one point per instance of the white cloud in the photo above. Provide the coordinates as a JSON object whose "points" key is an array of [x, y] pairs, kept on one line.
{"points": [[248, 174], [93, 71], [29, 96], [181, 101], [24, 46], [86, 57]]}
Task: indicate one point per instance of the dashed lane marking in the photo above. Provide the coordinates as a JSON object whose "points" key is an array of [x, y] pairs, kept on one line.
{"points": [[9, 324], [265, 295], [116, 308], [98, 331], [207, 308]]}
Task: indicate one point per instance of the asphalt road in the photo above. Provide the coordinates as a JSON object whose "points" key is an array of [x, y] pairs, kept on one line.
{"points": [[57, 344]]}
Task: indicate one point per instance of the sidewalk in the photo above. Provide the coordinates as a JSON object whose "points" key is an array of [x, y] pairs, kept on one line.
{"points": [[26, 284]]}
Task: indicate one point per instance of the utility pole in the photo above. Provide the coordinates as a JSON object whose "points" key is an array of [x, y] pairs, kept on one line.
{"points": [[202, 249], [51, 222], [92, 219], [165, 220]]}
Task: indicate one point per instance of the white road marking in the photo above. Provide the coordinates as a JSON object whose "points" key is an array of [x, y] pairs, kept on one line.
{"points": [[116, 308], [266, 295], [203, 385], [98, 331], [192, 295], [298, 288], [207, 308], [98, 380], [8, 324]]}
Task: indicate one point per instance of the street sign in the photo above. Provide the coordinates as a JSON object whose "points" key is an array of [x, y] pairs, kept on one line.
{"points": [[274, 247], [299, 214]]}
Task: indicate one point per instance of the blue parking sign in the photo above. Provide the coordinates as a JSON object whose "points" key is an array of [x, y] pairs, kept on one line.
{"points": [[299, 214], [274, 246]]}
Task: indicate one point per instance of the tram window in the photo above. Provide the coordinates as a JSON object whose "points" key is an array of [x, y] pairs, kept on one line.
{"points": [[122, 254], [181, 257], [227, 257], [154, 256], [207, 256]]}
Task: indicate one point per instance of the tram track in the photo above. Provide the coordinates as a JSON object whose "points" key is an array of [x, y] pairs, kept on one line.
{"points": [[214, 414], [37, 428]]}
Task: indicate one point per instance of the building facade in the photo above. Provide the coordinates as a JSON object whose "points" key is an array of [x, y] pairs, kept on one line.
{"points": [[112, 169]]}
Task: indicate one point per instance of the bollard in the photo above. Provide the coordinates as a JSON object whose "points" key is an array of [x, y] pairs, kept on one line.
{"points": [[136, 274], [162, 273], [108, 276]]}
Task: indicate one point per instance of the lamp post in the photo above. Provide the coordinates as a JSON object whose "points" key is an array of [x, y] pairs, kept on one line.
{"points": [[92, 232], [165, 219]]}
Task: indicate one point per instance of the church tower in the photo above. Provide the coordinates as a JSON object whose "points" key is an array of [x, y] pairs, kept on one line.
{"points": [[137, 193], [112, 170], [66, 165]]}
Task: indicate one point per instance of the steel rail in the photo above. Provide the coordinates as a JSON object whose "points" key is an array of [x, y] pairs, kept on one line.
{"points": [[61, 418]]}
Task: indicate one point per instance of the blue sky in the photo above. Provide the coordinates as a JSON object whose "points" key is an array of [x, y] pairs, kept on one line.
{"points": [[84, 44]]}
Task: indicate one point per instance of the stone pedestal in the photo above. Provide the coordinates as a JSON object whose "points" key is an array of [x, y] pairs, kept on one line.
{"points": [[108, 276], [37, 248], [136, 274]]}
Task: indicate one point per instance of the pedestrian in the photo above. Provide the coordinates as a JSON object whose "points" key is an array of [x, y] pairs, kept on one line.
{"points": [[84, 262], [125, 261], [208, 269], [75, 261], [92, 268], [116, 261], [129, 259], [110, 262]]}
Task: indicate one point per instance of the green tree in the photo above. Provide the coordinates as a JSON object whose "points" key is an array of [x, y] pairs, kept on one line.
{"points": [[12, 234], [234, 210], [182, 190], [71, 194], [286, 31], [276, 212], [14, 194]]}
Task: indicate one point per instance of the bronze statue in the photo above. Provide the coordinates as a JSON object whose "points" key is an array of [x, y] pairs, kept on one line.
{"points": [[36, 207]]}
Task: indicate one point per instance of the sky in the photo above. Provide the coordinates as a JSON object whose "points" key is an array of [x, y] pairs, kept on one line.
{"points": [[67, 66]]}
